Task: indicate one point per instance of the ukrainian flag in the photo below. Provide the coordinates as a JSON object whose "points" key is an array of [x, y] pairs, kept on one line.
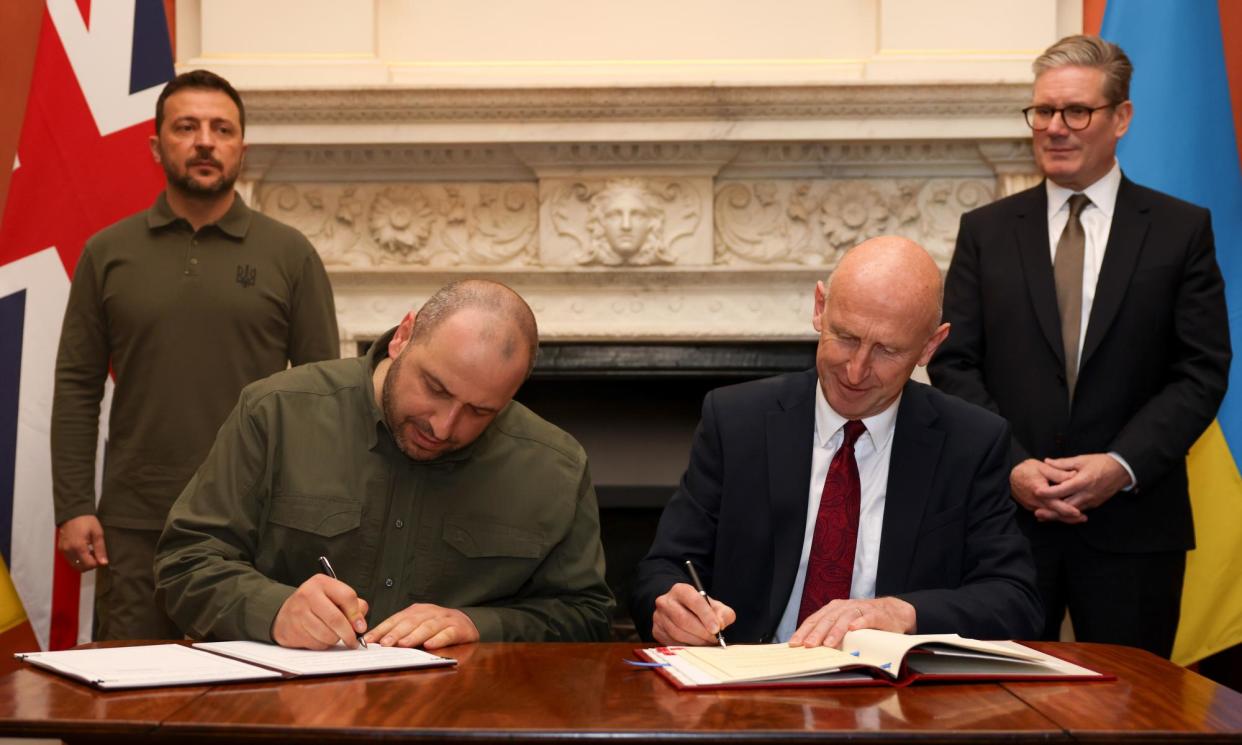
{"points": [[12, 614], [1184, 141]]}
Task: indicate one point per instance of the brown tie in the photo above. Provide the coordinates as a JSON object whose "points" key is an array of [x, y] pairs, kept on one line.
{"points": [[1067, 270]]}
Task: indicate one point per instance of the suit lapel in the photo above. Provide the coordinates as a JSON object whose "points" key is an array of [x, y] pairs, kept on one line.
{"points": [[912, 466], [1125, 241], [790, 438], [1036, 260]]}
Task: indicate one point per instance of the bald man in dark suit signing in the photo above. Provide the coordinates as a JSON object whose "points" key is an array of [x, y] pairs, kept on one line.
{"points": [[847, 496]]}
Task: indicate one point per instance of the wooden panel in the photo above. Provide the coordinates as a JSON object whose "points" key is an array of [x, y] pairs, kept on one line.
{"points": [[1152, 698], [557, 692], [35, 703], [539, 692]]}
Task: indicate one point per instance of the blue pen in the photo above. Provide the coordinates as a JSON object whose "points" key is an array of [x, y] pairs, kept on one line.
{"points": [[327, 569]]}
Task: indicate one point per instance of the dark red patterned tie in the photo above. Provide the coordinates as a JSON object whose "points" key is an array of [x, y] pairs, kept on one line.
{"points": [[830, 565]]}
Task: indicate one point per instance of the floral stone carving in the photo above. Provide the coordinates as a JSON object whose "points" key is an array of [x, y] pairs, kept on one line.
{"points": [[463, 225], [812, 222]]}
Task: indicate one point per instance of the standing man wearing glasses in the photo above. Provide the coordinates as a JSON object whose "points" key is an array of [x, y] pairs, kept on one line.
{"points": [[1089, 311]]}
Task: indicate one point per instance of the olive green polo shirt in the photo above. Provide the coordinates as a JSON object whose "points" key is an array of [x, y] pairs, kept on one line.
{"points": [[505, 529], [184, 319]]}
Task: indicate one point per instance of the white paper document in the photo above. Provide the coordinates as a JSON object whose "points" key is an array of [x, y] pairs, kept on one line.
{"points": [[146, 665], [149, 665], [339, 659]]}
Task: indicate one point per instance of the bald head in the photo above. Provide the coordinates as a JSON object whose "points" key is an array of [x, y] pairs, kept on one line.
{"points": [[897, 272], [878, 319], [513, 332]]}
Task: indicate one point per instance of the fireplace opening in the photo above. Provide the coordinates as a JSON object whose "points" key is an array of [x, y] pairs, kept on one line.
{"points": [[634, 408]]}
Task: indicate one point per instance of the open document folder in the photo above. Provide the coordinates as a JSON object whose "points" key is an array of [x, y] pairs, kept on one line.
{"points": [[867, 657], [149, 665]]}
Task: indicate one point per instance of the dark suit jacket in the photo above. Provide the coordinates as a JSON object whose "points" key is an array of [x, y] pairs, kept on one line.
{"points": [[1154, 364], [949, 543]]}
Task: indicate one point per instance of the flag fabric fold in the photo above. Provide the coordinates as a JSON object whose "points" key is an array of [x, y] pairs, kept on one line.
{"points": [[1183, 142], [82, 163]]}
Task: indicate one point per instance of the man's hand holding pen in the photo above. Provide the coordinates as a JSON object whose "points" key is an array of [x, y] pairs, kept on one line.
{"points": [[684, 616], [320, 613]]}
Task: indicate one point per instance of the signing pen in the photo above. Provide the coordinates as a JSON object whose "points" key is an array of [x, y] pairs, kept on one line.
{"points": [[698, 585], [326, 566]]}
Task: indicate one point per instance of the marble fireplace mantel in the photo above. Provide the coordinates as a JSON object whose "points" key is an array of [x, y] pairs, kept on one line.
{"points": [[625, 213]]}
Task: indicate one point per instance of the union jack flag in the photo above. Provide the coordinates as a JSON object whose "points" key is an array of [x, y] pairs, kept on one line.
{"points": [[82, 163]]}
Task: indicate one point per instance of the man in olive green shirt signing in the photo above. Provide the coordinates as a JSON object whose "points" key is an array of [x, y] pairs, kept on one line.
{"points": [[450, 512]]}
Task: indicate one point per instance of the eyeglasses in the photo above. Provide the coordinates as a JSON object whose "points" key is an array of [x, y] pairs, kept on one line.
{"points": [[1076, 118]]}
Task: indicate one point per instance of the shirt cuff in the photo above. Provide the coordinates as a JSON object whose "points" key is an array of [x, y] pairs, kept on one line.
{"points": [[488, 621], [1133, 481], [261, 607]]}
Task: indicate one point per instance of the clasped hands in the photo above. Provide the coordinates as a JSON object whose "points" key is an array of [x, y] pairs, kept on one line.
{"points": [[683, 616], [324, 611], [1064, 489]]}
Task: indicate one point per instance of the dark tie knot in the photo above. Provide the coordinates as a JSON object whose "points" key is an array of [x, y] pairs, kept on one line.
{"points": [[853, 430], [1077, 203]]}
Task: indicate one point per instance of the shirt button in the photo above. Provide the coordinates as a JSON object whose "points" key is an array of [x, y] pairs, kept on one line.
{"points": [[399, 524], [193, 261], [388, 582]]}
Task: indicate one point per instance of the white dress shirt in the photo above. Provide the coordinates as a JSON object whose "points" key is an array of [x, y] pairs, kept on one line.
{"points": [[1097, 221], [872, 452]]}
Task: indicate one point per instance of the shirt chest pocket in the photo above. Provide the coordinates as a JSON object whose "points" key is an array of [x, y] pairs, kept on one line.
{"points": [[493, 560], [301, 529], [326, 517]]}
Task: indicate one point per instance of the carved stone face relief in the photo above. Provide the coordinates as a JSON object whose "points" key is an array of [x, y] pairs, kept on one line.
{"points": [[624, 221], [626, 224]]}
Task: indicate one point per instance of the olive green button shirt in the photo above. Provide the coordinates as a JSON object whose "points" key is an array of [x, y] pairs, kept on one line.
{"points": [[505, 530], [184, 319]]}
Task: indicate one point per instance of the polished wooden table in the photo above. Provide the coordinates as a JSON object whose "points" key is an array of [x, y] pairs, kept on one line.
{"points": [[559, 692]]}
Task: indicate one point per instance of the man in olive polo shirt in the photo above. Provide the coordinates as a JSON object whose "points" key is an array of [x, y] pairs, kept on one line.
{"points": [[454, 511], [186, 303]]}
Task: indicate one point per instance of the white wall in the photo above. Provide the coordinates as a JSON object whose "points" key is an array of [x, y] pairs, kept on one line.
{"points": [[318, 43]]}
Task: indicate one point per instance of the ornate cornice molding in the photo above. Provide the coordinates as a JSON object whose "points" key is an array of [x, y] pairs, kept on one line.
{"points": [[634, 104]]}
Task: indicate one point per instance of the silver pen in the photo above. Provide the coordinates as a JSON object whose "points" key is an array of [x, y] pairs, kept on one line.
{"points": [[698, 585], [326, 566]]}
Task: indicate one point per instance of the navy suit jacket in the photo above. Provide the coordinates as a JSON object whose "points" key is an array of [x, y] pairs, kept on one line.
{"points": [[949, 542], [1154, 364]]}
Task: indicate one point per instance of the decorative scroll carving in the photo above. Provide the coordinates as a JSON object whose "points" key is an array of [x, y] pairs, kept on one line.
{"points": [[623, 221], [939, 204], [432, 224], [765, 222], [813, 222]]}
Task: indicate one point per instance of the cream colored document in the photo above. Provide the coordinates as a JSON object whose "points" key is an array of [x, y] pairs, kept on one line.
{"points": [[879, 652], [745, 663]]}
